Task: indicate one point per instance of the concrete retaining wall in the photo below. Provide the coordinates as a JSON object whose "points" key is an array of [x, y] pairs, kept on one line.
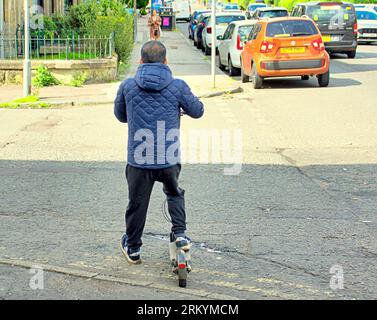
{"points": [[99, 70]]}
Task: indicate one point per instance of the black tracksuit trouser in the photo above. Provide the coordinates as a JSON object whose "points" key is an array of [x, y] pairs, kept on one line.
{"points": [[140, 185]]}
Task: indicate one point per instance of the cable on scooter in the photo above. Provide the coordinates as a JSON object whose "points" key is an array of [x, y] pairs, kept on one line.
{"points": [[165, 211]]}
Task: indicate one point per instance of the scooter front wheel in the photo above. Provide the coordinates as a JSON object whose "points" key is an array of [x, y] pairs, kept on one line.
{"points": [[182, 270]]}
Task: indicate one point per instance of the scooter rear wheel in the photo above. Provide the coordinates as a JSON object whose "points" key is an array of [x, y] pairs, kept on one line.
{"points": [[182, 277], [182, 269]]}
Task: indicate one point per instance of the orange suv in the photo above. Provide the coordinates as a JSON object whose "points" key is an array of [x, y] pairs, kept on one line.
{"points": [[281, 47]]}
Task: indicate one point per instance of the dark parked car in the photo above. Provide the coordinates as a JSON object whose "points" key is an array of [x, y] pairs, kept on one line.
{"points": [[194, 21], [337, 22], [202, 23]]}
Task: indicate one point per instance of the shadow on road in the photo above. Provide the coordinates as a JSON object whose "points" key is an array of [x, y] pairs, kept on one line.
{"points": [[269, 221], [297, 83]]}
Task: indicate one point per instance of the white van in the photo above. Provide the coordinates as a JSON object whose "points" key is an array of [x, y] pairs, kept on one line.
{"points": [[182, 9]]}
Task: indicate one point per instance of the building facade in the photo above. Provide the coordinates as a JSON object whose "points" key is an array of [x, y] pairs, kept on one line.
{"points": [[11, 12]]}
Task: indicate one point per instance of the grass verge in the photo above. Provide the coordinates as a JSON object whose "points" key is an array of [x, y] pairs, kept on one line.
{"points": [[31, 102]]}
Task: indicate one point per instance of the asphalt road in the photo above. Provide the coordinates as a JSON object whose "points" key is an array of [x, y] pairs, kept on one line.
{"points": [[303, 204]]}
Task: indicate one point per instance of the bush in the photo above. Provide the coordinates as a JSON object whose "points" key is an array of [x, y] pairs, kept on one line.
{"points": [[81, 16], [78, 80], [100, 19], [123, 30], [44, 78]]}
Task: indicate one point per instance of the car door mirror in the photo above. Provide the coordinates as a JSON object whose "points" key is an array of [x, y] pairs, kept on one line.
{"points": [[219, 38]]}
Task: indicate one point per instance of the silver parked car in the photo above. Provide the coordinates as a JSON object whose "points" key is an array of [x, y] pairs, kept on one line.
{"points": [[231, 45], [222, 21]]}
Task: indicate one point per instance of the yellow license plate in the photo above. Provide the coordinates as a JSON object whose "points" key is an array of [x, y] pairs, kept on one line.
{"points": [[326, 38], [293, 50]]}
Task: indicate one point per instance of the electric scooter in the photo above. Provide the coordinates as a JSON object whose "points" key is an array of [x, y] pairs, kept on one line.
{"points": [[180, 261]]}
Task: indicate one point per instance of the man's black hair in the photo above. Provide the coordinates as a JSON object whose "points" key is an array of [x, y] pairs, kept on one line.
{"points": [[153, 52]]}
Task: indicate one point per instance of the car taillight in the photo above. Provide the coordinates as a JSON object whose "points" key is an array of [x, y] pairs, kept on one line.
{"points": [[318, 44], [355, 28], [209, 30], [239, 43], [266, 47]]}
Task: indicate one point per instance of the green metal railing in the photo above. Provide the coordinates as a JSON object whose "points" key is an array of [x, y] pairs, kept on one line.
{"points": [[44, 47]]}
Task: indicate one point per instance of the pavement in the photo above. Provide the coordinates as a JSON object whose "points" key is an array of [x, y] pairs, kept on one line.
{"points": [[301, 211], [184, 64]]}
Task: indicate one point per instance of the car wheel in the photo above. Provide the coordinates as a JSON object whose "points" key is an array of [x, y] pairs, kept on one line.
{"points": [[351, 54], [218, 63], [207, 51], [195, 42], [324, 79], [232, 70], [199, 44], [244, 78], [306, 77], [256, 79]]}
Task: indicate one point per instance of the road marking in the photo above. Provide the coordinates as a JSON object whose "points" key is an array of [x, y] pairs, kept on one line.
{"points": [[115, 279]]}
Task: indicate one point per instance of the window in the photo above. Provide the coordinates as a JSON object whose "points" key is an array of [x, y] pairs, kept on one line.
{"points": [[253, 7], [273, 14], [291, 28], [226, 33], [244, 32], [67, 4], [255, 31], [366, 15], [231, 29], [229, 19], [326, 12]]}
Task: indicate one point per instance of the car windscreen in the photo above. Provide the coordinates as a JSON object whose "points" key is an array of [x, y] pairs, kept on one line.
{"points": [[273, 14], [197, 14], [253, 7], [366, 15], [232, 7], [291, 28], [229, 19], [331, 12], [244, 32]]}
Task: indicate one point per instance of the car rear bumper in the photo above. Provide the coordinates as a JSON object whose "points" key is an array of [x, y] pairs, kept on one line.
{"points": [[341, 46], [281, 68], [363, 37], [367, 34]]}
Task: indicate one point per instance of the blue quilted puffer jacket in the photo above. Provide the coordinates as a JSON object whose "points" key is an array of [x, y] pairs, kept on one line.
{"points": [[151, 103]]}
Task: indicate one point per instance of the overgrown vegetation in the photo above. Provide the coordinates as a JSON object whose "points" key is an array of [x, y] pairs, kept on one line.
{"points": [[28, 102], [78, 80], [95, 19], [44, 78]]}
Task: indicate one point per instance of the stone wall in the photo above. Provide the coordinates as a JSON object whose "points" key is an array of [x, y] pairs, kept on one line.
{"points": [[99, 70]]}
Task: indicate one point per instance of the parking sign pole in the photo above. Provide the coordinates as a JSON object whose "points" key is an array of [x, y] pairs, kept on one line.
{"points": [[213, 47], [135, 21], [27, 64]]}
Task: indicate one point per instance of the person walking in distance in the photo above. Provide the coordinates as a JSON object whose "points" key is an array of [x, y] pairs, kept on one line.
{"points": [[154, 23], [151, 103]]}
